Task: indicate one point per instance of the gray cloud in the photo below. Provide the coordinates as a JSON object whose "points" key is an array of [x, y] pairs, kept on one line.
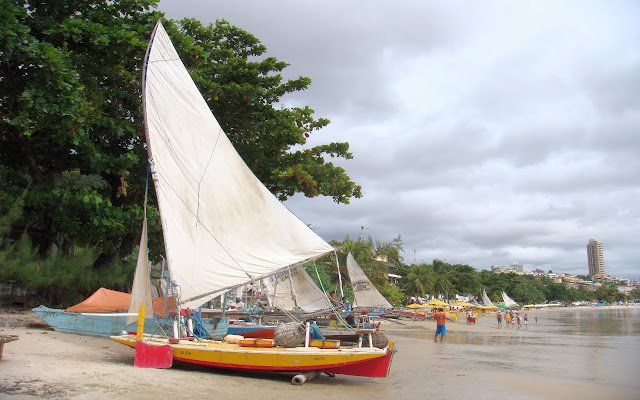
{"points": [[483, 133]]}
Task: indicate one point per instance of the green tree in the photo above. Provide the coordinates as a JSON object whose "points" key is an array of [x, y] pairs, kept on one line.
{"points": [[418, 280], [465, 279], [69, 99]]}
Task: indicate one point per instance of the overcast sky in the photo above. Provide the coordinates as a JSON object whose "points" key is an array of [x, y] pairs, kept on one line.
{"points": [[484, 133]]}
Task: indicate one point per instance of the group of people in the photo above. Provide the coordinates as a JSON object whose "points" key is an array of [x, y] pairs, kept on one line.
{"points": [[512, 319]]}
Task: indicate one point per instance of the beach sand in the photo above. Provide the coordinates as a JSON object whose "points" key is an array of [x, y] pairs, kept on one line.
{"points": [[47, 364]]}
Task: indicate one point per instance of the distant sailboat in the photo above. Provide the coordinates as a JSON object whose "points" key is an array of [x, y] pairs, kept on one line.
{"points": [[364, 292], [486, 300], [508, 301], [296, 290]]}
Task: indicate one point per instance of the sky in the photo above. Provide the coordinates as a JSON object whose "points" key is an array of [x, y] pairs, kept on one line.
{"points": [[483, 133]]}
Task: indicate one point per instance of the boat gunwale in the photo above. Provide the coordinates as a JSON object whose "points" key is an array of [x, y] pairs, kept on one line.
{"points": [[215, 345]]}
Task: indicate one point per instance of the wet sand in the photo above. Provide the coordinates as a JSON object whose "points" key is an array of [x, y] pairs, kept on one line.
{"points": [[475, 361]]}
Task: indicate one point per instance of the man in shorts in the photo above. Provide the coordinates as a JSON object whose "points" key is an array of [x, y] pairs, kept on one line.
{"points": [[441, 317]]}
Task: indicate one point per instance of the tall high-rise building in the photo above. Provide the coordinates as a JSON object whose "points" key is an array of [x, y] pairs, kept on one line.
{"points": [[595, 257]]}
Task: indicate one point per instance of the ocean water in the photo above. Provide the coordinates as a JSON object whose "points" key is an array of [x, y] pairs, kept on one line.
{"points": [[582, 353]]}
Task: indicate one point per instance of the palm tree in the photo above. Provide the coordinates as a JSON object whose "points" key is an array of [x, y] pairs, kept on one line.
{"points": [[419, 280], [442, 279]]}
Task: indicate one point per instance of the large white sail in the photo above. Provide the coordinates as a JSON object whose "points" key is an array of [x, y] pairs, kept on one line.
{"points": [[295, 288], [221, 226], [507, 300], [486, 300], [364, 292]]}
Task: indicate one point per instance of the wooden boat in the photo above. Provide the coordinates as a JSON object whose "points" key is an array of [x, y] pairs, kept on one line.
{"points": [[355, 361], [365, 294], [222, 229], [104, 313]]}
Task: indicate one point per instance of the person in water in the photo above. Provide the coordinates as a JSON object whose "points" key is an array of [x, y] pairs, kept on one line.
{"points": [[441, 317]]}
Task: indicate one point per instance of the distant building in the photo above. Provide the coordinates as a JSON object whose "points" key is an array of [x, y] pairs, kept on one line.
{"points": [[596, 258], [516, 267], [394, 278]]}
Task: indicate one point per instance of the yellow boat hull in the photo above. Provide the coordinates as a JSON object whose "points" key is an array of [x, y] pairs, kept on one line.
{"points": [[365, 361]]}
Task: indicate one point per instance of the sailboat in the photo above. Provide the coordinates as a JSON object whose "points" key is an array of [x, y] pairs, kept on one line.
{"points": [[222, 227], [364, 292], [294, 293], [508, 301], [296, 290], [486, 300], [104, 313]]}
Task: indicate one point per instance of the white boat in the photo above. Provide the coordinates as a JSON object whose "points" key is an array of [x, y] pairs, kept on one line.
{"points": [[508, 301], [486, 300], [364, 292], [222, 228], [295, 290]]}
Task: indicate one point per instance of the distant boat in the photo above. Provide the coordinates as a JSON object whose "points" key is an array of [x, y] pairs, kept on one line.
{"points": [[295, 290], [486, 300], [508, 301], [364, 292]]}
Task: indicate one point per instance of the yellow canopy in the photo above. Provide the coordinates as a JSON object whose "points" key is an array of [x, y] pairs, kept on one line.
{"points": [[437, 303], [420, 306]]}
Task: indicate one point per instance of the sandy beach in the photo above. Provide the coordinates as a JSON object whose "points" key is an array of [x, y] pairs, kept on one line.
{"points": [[469, 364]]}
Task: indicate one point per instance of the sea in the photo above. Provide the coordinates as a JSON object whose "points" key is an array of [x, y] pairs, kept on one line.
{"points": [[568, 353]]}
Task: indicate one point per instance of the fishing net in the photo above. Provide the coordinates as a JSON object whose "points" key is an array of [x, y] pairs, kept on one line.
{"points": [[290, 334], [378, 338]]}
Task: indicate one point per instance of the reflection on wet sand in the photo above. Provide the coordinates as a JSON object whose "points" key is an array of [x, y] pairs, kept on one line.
{"points": [[570, 353]]}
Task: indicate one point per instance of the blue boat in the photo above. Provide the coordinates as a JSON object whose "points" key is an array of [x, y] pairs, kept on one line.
{"points": [[109, 324], [98, 324]]}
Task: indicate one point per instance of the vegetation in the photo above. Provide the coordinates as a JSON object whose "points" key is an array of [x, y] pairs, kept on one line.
{"points": [[447, 280]]}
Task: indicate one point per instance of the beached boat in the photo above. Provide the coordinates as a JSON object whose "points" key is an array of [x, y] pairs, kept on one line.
{"points": [[222, 227], [104, 313], [485, 299], [364, 292], [508, 301]]}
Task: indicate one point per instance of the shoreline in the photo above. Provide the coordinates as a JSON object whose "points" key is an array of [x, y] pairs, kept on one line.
{"points": [[469, 364]]}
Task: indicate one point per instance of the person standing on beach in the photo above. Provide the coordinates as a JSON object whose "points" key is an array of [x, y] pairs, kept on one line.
{"points": [[507, 319], [526, 321], [499, 318], [441, 317]]}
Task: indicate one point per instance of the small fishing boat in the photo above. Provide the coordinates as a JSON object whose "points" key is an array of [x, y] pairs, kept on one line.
{"points": [[104, 313]]}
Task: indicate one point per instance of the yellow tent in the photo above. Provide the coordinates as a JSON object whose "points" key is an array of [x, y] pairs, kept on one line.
{"points": [[437, 303]]}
